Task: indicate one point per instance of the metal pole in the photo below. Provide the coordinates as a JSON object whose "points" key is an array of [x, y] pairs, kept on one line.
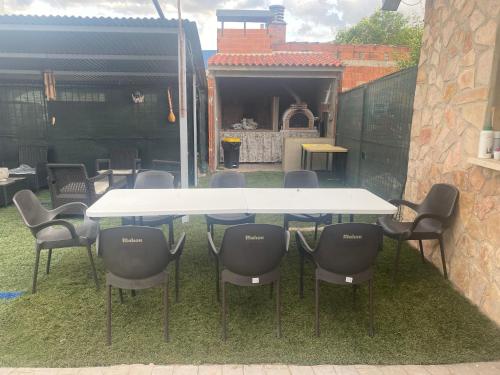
{"points": [[158, 9], [183, 131], [195, 131]]}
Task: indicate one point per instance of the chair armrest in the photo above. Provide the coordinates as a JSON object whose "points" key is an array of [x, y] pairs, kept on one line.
{"points": [[53, 223], [421, 217], [287, 234], [212, 245], [98, 163], [177, 251], [69, 206], [403, 202], [302, 243]]}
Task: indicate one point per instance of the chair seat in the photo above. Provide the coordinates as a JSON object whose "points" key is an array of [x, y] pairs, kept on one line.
{"points": [[230, 218], [88, 230], [308, 217], [150, 221], [426, 229], [117, 172]]}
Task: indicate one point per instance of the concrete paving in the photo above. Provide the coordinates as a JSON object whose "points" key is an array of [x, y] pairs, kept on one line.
{"points": [[482, 368]]}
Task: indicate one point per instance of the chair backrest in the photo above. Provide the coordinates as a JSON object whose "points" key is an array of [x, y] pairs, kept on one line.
{"points": [[32, 154], [301, 179], [123, 158], [348, 249], [134, 252], [228, 179], [67, 178], [252, 249], [154, 180], [441, 200], [30, 208]]}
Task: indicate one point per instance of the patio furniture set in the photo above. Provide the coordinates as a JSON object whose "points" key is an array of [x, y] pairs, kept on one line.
{"points": [[136, 254]]}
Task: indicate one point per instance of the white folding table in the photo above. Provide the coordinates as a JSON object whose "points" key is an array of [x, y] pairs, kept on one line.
{"points": [[152, 202]]}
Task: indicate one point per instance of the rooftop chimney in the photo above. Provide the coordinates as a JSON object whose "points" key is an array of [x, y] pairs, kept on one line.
{"points": [[279, 13]]}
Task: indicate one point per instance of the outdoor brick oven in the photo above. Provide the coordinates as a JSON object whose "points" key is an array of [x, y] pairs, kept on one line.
{"points": [[298, 116]]}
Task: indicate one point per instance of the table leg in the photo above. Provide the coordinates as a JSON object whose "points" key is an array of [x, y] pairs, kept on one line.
{"points": [[302, 159], [311, 161], [327, 160], [344, 167], [4, 189]]}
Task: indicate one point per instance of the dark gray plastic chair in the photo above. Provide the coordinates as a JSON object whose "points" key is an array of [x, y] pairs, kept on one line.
{"points": [[70, 183], [304, 180], [155, 180], [345, 255], [51, 233], [121, 159], [228, 179], [137, 258], [250, 255], [434, 215], [171, 166]]}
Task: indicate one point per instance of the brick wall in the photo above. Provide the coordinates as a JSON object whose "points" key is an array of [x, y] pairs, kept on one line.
{"points": [[363, 63]]}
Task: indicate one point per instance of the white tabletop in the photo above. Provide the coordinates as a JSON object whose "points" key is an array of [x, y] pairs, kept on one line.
{"points": [[151, 202]]}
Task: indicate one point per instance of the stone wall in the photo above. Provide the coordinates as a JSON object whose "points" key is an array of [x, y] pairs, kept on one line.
{"points": [[454, 92]]}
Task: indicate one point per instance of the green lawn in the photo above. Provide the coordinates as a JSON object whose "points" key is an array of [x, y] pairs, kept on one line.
{"points": [[420, 319]]}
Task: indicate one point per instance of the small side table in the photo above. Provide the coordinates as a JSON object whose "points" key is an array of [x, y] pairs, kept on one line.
{"points": [[9, 187], [327, 149]]}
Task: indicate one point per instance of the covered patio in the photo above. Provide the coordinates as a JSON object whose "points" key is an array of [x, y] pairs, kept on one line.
{"points": [[93, 67]]}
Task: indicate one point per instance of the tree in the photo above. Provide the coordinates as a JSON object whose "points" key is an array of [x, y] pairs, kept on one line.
{"points": [[391, 28]]}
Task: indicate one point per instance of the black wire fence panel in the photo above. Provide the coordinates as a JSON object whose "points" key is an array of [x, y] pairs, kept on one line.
{"points": [[374, 123]]}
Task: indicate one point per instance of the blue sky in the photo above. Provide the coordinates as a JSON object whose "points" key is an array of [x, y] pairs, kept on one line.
{"points": [[308, 20]]}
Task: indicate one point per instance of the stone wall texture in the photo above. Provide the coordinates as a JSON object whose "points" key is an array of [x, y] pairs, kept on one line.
{"points": [[454, 92]]}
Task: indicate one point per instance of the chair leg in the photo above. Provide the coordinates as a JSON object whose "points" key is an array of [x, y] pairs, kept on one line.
{"points": [[339, 219], [94, 273], [370, 302], [224, 327], [35, 271], [120, 293], [48, 261], [354, 290], [208, 242], [165, 311], [171, 235], [108, 315], [177, 273], [396, 262], [421, 247], [271, 290], [301, 277], [315, 231], [217, 279], [278, 307], [316, 305], [443, 260]]}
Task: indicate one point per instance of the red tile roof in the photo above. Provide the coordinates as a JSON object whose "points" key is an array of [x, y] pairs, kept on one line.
{"points": [[276, 58]]}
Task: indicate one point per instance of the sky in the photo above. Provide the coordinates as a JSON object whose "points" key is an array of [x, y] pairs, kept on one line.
{"points": [[307, 20]]}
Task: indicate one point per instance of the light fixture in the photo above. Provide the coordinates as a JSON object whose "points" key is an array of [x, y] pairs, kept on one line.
{"points": [[391, 5]]}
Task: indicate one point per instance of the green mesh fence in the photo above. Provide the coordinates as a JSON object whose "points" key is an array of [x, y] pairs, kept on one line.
{"points": [[374, 123]]}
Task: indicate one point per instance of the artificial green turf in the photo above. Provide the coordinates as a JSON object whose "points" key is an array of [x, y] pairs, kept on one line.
{"points": [[420, 319]]}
